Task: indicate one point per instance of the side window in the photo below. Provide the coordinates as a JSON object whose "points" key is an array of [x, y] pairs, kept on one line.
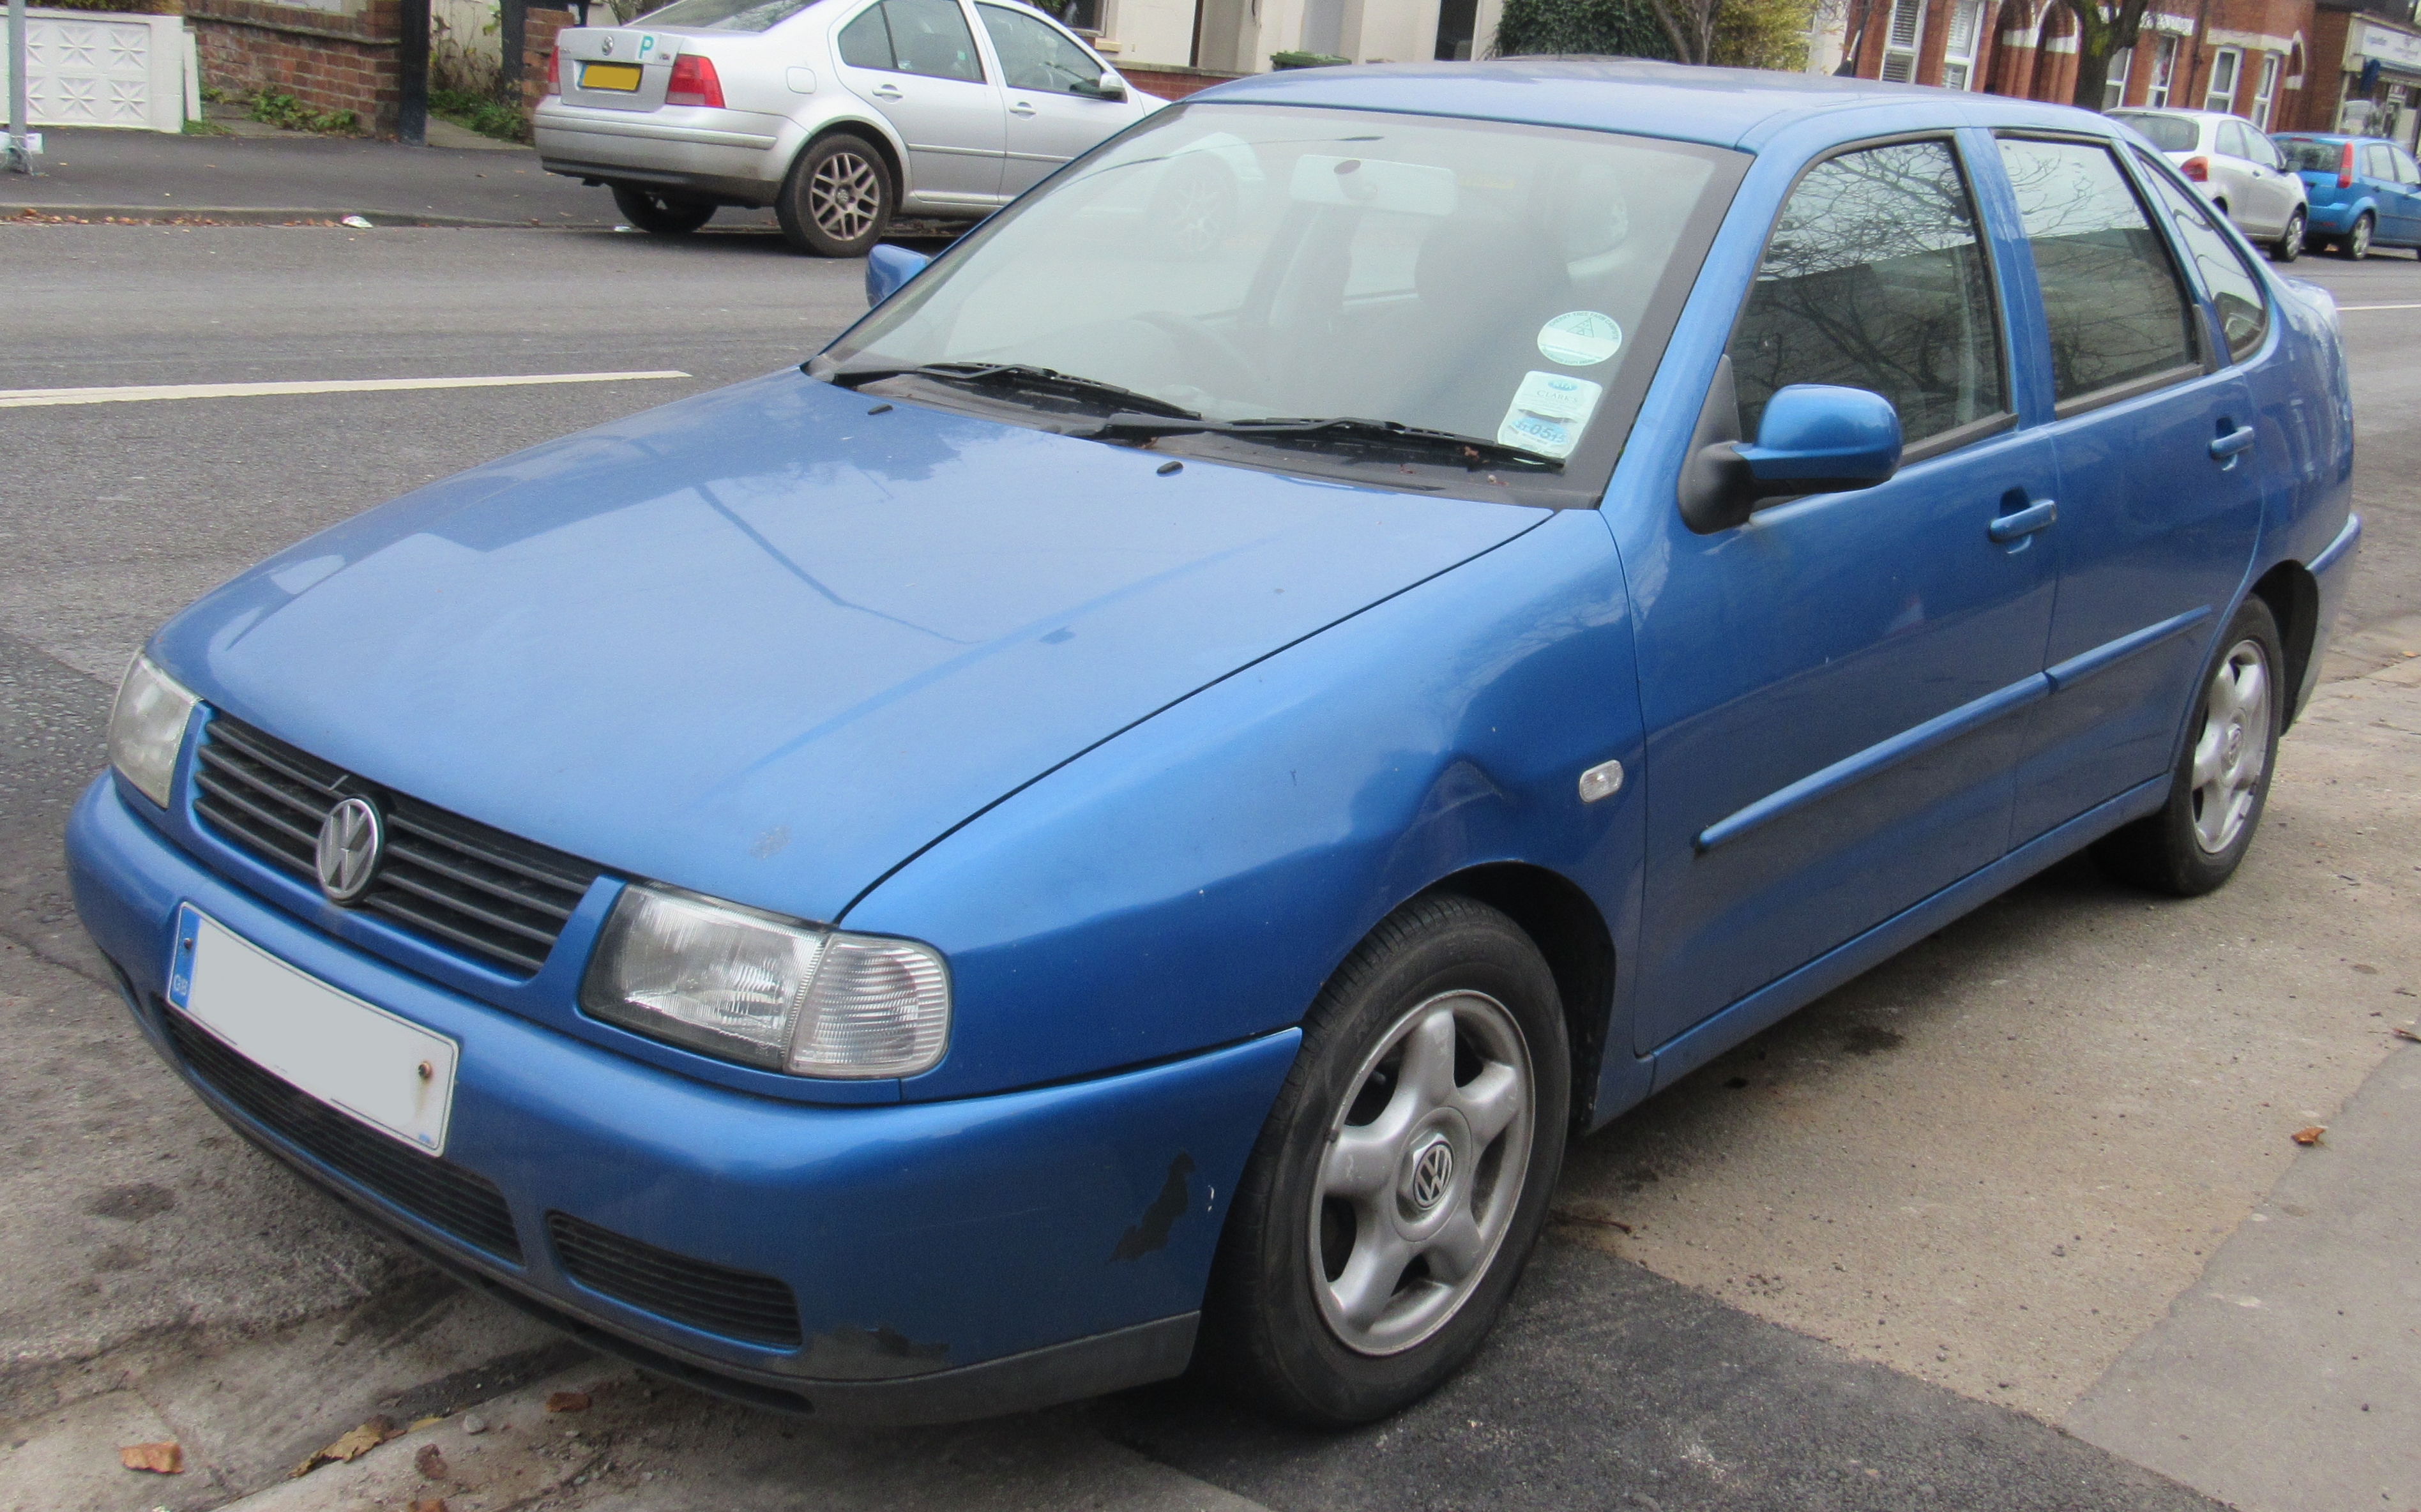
{"points": [[2376, 164], [2265, 151], [2406, 171], [1875, 279], [927, 37], [2117, 307], [1033, 56], [2234, 142], [2235, 289], [865, 42]]}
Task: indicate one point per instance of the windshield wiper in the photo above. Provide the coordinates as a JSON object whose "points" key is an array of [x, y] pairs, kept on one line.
{"points": [[1339, 431], [1018, 376]]}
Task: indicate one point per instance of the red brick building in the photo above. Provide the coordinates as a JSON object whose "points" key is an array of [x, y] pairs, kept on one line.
{"points": [[2281, 64]]}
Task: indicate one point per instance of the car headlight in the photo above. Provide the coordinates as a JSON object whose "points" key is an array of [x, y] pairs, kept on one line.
{"points": [[146, 726], [768, 992]]}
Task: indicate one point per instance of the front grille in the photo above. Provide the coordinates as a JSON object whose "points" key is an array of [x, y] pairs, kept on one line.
{"points": [[738, 1304], [461, 1202], [500, 898]]}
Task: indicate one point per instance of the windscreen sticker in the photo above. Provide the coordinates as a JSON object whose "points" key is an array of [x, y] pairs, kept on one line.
{"points": [[1549, 413], [1582, 338]]}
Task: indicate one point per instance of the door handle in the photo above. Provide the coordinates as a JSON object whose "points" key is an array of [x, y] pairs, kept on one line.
{"points": [[2232, 442], [885, 91], [2019, 524], [1021, 108]]}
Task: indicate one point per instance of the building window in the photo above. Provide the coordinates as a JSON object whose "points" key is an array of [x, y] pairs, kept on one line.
{"points": [[1959, 52], [2165, 70], [1899, 47], [2113, 92], [2265, 94], [2225, 65]]}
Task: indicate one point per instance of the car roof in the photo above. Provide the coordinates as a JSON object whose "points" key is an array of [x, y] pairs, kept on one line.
{"points": [[1741, 108], [2180, 110], [2335, 136]]}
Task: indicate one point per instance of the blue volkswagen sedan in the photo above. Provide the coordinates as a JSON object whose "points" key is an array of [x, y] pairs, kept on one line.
{"points": [[1127, 812]]}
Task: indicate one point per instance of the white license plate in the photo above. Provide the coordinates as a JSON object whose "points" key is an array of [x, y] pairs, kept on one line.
{"points": [[355, 1056]]}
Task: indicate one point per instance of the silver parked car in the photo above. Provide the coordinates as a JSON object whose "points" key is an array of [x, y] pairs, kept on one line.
{"points": [[2237, 168], [839, 114]]}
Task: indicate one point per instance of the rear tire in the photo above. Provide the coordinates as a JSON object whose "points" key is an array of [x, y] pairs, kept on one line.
{"points": [[2200, 834], [2355, 244], [1404, 1173], [2289, 244], [839, 199], [663, 211]]}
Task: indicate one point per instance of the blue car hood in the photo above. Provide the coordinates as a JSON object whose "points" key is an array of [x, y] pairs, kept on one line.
{"points": [[765, 644]]}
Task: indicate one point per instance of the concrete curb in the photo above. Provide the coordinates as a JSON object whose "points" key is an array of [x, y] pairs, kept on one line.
{"points": [[255, 215]]}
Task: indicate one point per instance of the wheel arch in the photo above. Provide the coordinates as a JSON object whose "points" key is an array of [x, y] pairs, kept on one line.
{"points": [[2293, 596], [1571, 931], [874, 131]]}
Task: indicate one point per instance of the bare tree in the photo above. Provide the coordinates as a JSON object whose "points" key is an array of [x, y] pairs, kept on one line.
{"points": [[2101, 32], [1691, 26]]}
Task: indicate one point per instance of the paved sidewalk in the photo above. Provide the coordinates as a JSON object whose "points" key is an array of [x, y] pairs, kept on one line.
{"points": [[93, 172]]}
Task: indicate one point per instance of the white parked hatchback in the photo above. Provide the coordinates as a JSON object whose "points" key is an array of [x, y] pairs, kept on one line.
{"points": [[839, 114], [2237, 168]]}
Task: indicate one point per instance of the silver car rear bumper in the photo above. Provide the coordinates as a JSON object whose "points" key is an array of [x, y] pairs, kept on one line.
{"points": [[731, 154]]}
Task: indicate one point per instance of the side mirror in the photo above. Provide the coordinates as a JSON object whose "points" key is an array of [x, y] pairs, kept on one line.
{"points": [[1813, 438], [1108, 86], [888, 267]]}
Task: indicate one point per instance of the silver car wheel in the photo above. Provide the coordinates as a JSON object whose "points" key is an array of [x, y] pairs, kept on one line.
{"points": [[2358, 240], [2233, 749], [1421, 1173], [845, 196]]}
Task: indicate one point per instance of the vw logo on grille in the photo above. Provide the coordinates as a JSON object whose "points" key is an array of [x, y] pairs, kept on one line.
{"points": [[351, 840], [1431, 1175]]}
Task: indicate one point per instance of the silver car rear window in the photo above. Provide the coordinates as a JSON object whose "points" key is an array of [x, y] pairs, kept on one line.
{"points": [[726, 15], [2170, 134]]}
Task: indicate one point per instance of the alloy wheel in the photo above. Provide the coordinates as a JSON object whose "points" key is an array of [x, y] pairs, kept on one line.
{"points": [[1422, 1172], [2358, 240], [2233, 749], [845, 196]]}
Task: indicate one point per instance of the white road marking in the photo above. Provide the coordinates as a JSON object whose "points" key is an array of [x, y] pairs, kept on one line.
{"points": [[2344, 307], [12, 398]]}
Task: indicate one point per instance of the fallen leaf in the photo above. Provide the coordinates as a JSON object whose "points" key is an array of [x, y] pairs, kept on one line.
{"points": [[420, 1423], [568, 1402], [428, 1503], [158, 1458], [2309, 1136], [430, 1462], [348, 1446], [2403, 1032]]}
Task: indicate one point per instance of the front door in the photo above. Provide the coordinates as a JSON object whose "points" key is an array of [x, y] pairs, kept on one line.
{"points": [[916, 61], [1833, 690], [2159, 483], [1049, 121]]}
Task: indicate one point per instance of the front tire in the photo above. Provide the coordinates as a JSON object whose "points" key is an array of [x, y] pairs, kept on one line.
{"points": [[1404, 1175], [839, 199], [2289, 244], [2355, 244], [2201, 834], [661, 211]]}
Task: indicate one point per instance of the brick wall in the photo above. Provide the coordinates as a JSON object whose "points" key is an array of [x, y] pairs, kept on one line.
{"points": [[538, 46], [1166, 82], [327, 61]]}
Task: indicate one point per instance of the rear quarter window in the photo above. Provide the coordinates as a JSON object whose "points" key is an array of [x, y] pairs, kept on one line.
{"points": [[2170, 134]]}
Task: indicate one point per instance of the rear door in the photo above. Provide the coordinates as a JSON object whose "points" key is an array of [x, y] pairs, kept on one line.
{"points": [[2279, 191], [916, 62], [2237, 179], [2408, 197], [2159, 492], [1049, 120]]}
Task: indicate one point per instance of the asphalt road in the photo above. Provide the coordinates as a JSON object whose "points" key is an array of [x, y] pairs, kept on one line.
{"points": [[1674, 1346]]}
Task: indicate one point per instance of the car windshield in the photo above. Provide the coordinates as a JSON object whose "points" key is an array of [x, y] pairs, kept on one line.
{"points": [[1484, 302], [725, 15], [2313, 157], [2170, 134]]}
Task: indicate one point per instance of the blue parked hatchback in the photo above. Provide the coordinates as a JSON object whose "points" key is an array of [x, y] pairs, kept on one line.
{"points": [[2365, 191], [1131, 809]]}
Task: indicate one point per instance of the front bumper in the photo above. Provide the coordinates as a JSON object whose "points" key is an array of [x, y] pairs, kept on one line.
{"points": [[948, 1259]]}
